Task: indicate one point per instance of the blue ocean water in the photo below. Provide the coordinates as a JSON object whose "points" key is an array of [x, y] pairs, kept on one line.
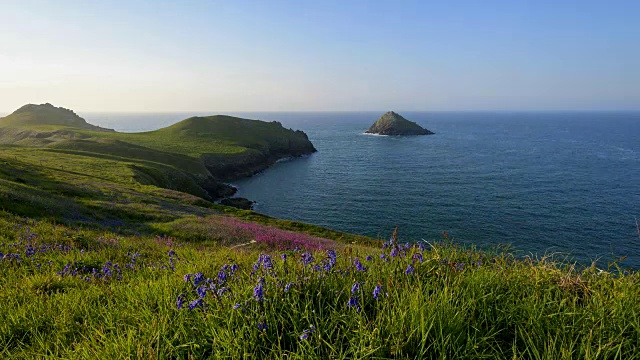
{"points": [[565, 183]]}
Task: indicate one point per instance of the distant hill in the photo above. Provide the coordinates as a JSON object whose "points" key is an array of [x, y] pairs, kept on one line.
{"points": [[47, 114], [392, 123], [194, 155]]}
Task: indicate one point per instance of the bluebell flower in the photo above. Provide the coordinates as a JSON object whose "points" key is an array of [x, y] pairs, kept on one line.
{"points": [[195, 303], [359, 265], [353, 302], [234, 268], [222, 291], [186, 278], [283, 257], [459, 267], [288, 287], [369, 258], [258, 291], [202, 291], [236, 306], [262, 326], [305, 334], [180, 301], [418, 256], [410, 270], [394, 252], [355, 288], [266, 262], [377, 291], [198, 278], [307, 258], [222, 277], [171, 253]]}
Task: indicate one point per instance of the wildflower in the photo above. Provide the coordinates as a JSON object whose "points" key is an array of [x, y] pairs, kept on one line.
{"points": [[418, 256], [202, 291], [236, 306], [307, 258], [234, 268], [288, 287], [479, 263], [262, 326], [266, 262], [368, 258], [353, 302], [195, 303], [359, 265], [459, 267], [186, 278], [198, 278], [257, 264], [410, 270], [283, 257], [222, 277], [377, 291], [421, 246], [307, 332], [172, 253], [180, 302], [222, 291], [258, 291], [355, 288], [394, 252]]}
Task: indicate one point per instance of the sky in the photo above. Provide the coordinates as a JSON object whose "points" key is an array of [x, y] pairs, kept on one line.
{"points": [[235, 55]]}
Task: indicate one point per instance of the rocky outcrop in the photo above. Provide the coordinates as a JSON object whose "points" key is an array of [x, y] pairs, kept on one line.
{"points": [[238, 202], [392, 123]]}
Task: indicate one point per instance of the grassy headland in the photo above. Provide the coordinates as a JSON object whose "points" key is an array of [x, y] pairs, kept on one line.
{"points": [[109, 249]]}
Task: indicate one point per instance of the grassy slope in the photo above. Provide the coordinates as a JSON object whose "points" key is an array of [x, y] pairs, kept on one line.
{"points": [[456, 304]]}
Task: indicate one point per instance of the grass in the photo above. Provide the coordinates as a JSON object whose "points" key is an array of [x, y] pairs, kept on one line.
{"points": [[455, 303]]}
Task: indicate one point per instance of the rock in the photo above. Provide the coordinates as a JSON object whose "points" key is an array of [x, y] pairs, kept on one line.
{"points": [[392, 123], [238, 202]]}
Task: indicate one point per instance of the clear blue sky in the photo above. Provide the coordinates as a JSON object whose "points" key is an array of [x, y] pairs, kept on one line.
{"points": [[320, 55]]}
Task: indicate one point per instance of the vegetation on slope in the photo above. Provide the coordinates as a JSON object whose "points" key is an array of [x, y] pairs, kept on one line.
{"points": [[207, 150], [391, 123], [83, 293]]}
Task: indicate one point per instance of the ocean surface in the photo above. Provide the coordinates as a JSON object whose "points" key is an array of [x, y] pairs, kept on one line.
{"points": [[563, 183]]}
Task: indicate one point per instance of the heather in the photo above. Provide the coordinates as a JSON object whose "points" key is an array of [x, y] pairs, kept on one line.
{"points": [[78, 293]]}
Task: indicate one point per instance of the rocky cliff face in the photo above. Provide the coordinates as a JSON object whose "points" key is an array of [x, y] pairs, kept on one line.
{"points": [[392, 123]]}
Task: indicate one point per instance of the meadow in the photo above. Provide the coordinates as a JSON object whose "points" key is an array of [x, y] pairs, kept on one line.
{"points": [[74, 293]]}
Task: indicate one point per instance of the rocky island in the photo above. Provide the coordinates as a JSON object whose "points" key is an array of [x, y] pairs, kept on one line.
{"points": [[392, 123]]}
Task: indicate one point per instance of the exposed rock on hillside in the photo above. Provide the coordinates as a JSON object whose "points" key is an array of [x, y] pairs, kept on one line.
{"points": [[392, 123]]}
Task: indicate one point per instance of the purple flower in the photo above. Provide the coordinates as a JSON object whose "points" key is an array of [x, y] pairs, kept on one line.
{"points": [[377, 291], [410, 270], [307, 332], [262, 326], [353, 302], [394, 252], [355, 288], [283, 257], [288, 287], [195, 303], [266, 262], [180, 302], [258, 291], [236, 306], [198, 278], [222, 277], [459, 267], [369, 258], [222, 291], [359, 265], [186, 278], [202, 291], [171, 253], [307, 258], [234, 268], [418, 256]]}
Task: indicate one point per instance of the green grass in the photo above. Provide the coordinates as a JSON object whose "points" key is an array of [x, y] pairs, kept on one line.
{"points": [[494, 306]]}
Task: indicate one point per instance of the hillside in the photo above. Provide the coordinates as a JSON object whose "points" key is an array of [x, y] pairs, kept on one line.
{"points": [[391, 123], [204, 150], [47, 114]]}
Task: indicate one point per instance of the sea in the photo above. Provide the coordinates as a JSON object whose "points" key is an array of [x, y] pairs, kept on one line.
{"points": [[558, 184]]}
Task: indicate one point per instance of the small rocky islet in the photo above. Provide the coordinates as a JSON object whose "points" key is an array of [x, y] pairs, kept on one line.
{"points": [[391, 123]]}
